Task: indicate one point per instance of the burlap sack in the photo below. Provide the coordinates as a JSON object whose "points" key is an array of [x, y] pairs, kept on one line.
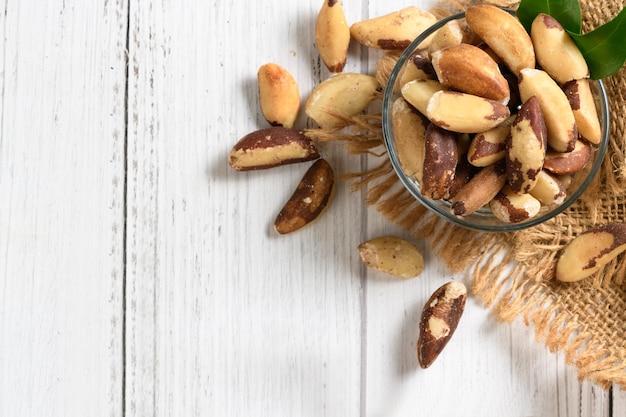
{"points": [[513, 274]]}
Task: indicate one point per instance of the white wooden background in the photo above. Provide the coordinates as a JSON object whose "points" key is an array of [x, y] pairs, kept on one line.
{"points": [[139, 274]]}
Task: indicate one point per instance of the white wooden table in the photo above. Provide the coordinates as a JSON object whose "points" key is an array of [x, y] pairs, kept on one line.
{"points": [[139, 273]]}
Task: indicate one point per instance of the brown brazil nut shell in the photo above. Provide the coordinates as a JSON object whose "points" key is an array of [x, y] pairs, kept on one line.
{"points": [[526, 147], [463, 173], [392, 255], [565, 163], [279, 95], [439, 320], [332, 35], [339, 97], [310, 199], [480, 190], [488, 147], [557, 112], [504, 34], [471, 70], [417, 67], [578, 93], [409, 132], [465, 113], [555, 50], [440, 160], [549, 189], [512, 207], [395, 30], [270, 147], [590, 251]]}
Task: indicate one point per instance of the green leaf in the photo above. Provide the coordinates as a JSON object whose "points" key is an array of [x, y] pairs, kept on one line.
{"points": [[566, 12], [603, 48]]}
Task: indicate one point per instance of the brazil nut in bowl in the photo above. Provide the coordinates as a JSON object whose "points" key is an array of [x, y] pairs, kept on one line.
{"points": [[489, 138]]}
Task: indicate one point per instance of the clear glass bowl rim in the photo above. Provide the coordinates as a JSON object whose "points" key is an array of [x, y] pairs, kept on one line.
{"points": [[435, 206]]}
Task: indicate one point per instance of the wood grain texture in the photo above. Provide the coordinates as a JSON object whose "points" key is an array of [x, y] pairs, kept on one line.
{"points": [[61, 210], [224, 316]]}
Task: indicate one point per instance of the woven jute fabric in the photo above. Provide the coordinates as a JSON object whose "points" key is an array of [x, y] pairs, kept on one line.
{"points": [[513, 273]]}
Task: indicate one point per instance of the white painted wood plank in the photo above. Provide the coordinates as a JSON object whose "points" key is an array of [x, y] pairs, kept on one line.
{"points": [[61, 208], [224, 316], [488, 369]]}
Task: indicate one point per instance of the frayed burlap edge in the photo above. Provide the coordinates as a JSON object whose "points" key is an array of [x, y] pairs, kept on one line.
{"points": [[513, 273]]}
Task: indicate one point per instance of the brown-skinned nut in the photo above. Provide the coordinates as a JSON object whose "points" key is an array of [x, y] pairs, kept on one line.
{"points": [[342, 96], [418, 93], [504, 34], [392, 255], [416, 68], [332, 35], [578, 93], [590, 251], [395, 30], [489, 147], [409, 132], [564, 163], [463, 173], [549, 189], [512, 207], [555, 50], [471, 70], [271, 147], [278, 95], [557, 112], [526, 147], [480, 190], [440, 160], [310, 199], [439, 320], [465, 113]]}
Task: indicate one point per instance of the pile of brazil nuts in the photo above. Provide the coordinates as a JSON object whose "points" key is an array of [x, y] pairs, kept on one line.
{"points": [[488, 115], [504, 117]]}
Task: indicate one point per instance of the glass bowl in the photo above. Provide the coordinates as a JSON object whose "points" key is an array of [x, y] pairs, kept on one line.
{"points": [[483, 219]]}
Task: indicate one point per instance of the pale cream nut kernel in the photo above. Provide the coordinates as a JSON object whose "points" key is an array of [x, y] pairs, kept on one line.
{"points": [[504, 34], [395, 30], [279, 95], [512, 207], [416, 68], [392, 255], [557, 112], [578, 93], [418, 93], [465, 113], [590, 251], [409, 130], [488, 147], [556, 52], [549, 189], [271, 147], [450, 34], [332, 35], [340, 97]]}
